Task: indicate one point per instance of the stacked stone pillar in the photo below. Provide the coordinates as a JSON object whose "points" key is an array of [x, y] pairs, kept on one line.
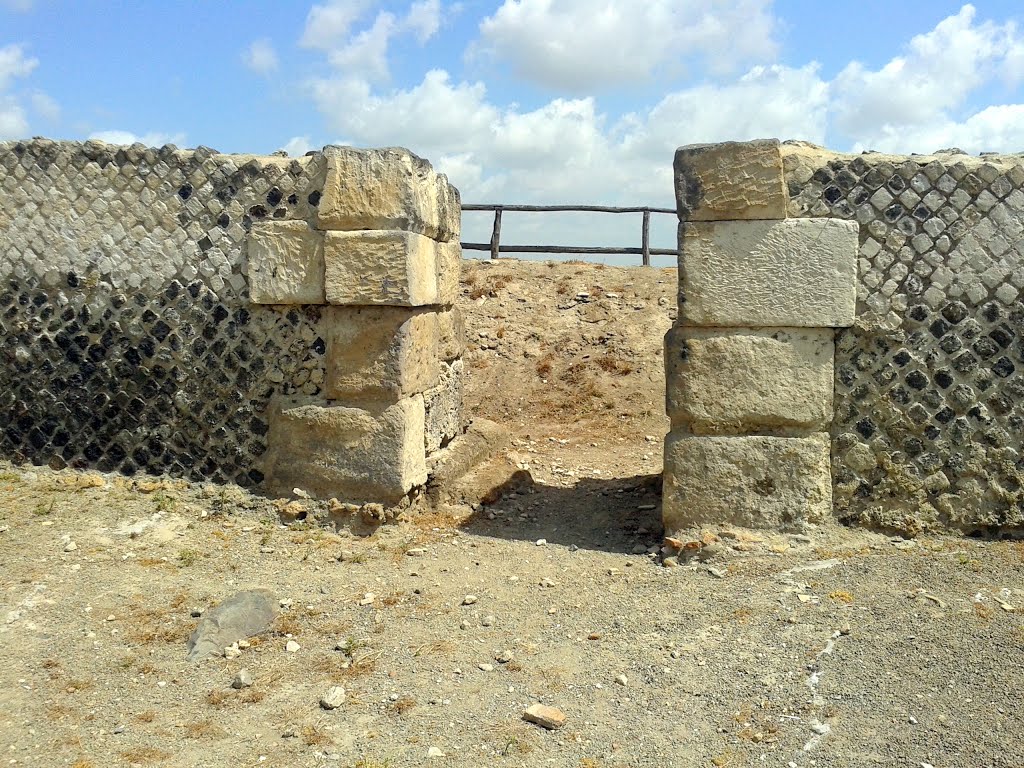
{"points": [[750, 360], [382, 259]]}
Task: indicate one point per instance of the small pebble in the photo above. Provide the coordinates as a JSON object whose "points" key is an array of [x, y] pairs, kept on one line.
{"points": [[545, 717], [291, 646], [542, 542], [487, 621], [435, 752], [242, 680], [486, 667], [469, 600], [621, 679]]}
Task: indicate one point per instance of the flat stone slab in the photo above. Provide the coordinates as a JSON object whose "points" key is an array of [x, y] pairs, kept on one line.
{"points": [[776, 483], [357, 455], [242, 615], [390, 267], [796, 273], [444, 407], [285, 263], [736, 381], [387, 189], [380, 354], [731, 180]]}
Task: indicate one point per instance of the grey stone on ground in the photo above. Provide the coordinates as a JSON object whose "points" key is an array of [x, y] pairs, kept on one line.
{"points": [[242, 615]]}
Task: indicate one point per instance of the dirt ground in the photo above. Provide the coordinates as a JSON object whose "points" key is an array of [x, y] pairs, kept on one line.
{"points": [[828, 647]]}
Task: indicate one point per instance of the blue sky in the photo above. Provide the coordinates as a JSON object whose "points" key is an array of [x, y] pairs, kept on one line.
{"points": [[519, 100]]}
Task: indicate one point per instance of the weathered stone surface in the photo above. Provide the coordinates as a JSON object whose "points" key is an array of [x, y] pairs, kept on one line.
{"points": [[451, 334], [481, 440], [242, 615], [387, 189], [380, 354], [749, 380], [544, 716], [761, 482], [449, 271], [731, 180], [353, 454], [385, 267], [794, 273], [285, 263], [443, 404]]}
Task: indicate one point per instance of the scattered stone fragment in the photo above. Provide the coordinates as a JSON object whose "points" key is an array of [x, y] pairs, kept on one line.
{"points": [[70, 546], [435, 752], [232, 651], [486, 667], [334, 698], [621, 679], [670, 562], [367, 599], [544, 716], [291, 646], [242, 680], [242, 615], [487, 621], [542, 542], [504, 657], [594, 636], [415, 552], [469, 600]]}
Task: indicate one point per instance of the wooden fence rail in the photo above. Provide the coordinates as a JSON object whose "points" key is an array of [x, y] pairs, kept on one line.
{"points": [[496, 248]]}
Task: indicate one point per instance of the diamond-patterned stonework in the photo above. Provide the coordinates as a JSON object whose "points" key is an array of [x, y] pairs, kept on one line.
{"points": [[127, 338], [929, 418]]}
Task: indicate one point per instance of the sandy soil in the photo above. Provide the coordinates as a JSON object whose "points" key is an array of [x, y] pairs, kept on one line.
{"points": [[827, 648]]}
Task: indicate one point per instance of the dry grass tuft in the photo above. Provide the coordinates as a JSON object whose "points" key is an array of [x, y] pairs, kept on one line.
{"points": [[204, 729], [145, 755]]}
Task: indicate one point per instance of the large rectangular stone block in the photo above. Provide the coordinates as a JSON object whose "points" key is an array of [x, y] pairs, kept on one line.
{"points": [[749, 380], [285, 263], [731, 180], [776, 483], [357, 455], [380, 354], [387, 267], [795, 273], [387, 189]]}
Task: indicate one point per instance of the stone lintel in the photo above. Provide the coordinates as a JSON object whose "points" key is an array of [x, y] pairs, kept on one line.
{"points": [[388, 267], [735, 381], [788, 274], [731, 180], [357, 455], [387, 189], [776, 483], [285, 263]]}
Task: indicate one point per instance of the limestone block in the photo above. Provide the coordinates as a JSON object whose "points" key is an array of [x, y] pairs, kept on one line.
{"points": [[387, 189], [451, 334], [749, 380], [449, 270], [286, 263], [731, 180], [795, 273], [443, 405], [386, 267], [380, 354], [777, 483], [357, 455]]}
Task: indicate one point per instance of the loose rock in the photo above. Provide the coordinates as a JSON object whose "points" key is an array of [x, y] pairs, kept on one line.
{"points": [[334, 698], [242, 680], [544, 716]]}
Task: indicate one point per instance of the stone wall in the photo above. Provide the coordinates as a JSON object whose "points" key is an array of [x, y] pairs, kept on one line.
{"points": [[926, 409], [262, 320]]}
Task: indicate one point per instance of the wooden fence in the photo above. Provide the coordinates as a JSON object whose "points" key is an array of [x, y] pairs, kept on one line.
{"points": [[496, 248]]}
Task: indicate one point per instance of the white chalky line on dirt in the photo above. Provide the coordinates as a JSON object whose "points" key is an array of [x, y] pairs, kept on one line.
{"points": [[821, 730]]}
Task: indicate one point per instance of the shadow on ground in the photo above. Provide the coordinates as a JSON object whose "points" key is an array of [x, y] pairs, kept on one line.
{"points": [[620, 514]]}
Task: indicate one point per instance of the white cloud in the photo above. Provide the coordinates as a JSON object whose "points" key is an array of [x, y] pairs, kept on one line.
{"points": [[297, 146], [911, 103], [367, 52], [260, 57], [13, 64], [17, 5], [13, 123], [577, 45], [424, 19], [45, 106], [329, 24], [151, 139]]}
